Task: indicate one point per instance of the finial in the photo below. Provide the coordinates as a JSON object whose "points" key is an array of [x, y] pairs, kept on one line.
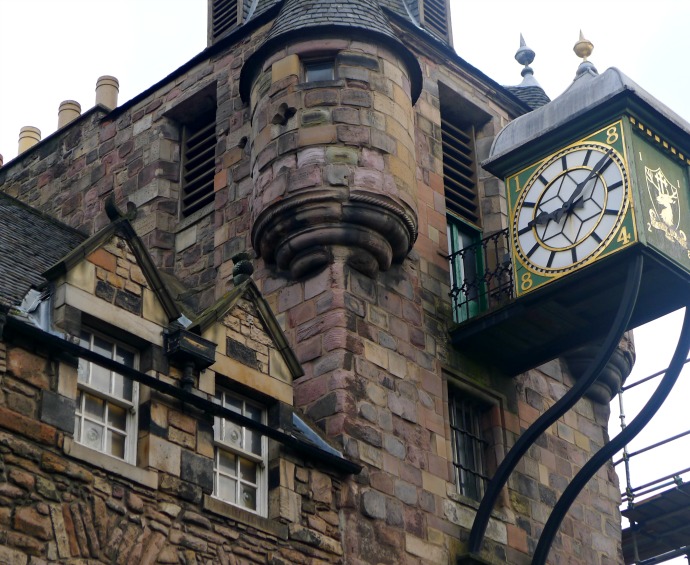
{"points": [[583, 49], [524, 55]]}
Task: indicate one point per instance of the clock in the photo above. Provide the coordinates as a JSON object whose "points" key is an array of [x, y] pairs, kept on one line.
{"points": [[570, 208]]}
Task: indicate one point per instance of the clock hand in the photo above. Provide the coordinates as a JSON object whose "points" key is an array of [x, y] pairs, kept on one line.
{"points": [[600, 166], [544, 217]]}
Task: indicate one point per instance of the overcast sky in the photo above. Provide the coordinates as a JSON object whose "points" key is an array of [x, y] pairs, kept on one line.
{"points": [[54, 50]]}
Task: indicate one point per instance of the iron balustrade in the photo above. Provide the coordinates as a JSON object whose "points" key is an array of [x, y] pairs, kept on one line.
{"points": [[481, 276]]}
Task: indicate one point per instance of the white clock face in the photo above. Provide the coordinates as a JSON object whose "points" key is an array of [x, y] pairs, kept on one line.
{"points": [[571, 208]]}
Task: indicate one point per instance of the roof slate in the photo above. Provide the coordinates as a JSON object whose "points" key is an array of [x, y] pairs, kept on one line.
{"points": [[300, 14], [533, 96], [30, 243]]}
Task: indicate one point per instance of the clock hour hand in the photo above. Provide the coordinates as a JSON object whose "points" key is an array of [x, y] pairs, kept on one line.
{"points": [[576, 199], [545, 217]]}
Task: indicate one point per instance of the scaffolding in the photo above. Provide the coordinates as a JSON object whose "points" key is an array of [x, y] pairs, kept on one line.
{"points": [[658, 511]]}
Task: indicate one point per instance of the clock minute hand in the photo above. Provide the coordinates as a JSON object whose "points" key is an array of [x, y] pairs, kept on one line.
{"points": [[599, 167]]}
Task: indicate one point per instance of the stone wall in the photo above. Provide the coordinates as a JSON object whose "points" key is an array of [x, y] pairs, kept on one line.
{"points": [[374, 346], [57, 508]]}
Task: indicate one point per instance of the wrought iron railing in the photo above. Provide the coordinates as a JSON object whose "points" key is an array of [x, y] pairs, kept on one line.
{"points": [[481, 276]]}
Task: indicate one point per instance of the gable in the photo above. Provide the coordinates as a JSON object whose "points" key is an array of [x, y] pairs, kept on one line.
{"points": [[251, 348]]}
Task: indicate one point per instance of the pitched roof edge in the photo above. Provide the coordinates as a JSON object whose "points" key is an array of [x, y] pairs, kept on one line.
{"points": [[121, 227], [249, 289], [448, 51]]}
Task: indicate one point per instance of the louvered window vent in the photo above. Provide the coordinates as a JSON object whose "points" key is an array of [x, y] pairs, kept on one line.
{"points": [[459, 172], [436, 17], [198, 163], [225, 16]]}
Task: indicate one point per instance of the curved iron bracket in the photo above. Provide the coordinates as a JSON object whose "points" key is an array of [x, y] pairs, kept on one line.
{"points": [[615, 445], [548, 418]]}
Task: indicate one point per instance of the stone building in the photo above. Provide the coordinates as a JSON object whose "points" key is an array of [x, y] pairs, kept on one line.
{"points": [[225, 309]]}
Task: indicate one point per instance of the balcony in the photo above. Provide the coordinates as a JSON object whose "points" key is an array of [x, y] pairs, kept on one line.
{"points": [[481, 277]]}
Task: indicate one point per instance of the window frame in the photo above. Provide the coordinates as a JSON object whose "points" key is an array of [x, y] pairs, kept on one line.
{"points": [[130, 407], [222, 446], [479, 445], [314, 62]]}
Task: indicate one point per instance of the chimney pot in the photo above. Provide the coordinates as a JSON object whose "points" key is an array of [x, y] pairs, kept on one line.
{"points": [[2, 160], [28, 137], [107, 89], [69, 111]]}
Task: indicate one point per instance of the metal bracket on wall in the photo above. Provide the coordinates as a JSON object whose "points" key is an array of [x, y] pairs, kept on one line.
{"points": [[548, 418]]}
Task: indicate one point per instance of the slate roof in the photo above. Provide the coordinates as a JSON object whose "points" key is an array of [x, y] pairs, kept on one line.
{"points": [[533, 96], [30, 243], [300, 14], [346, 13]]}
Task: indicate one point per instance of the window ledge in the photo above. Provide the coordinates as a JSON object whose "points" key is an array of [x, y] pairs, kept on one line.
{"points": [[499, 512], [234, 513], [194, 217], [111, 464]]}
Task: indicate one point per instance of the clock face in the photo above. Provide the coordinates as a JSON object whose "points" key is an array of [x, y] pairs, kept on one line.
{"points": [[571, 208]]}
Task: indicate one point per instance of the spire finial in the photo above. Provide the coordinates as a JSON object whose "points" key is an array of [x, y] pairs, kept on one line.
{"points": [[525, 56], [583, 49]]}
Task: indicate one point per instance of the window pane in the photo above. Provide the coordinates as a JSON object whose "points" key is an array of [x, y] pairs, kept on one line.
{"points": [[319, 71], [85, 340], [248, 471], [125, 357], [100, 378], [253, 412], [94, 408], [227, 489], [93, 435], [83, 371], [253, 442], [227, 462], [102, 347], [117, 417], [248, 497], [122, 387], [234, 404], [116, 444], [232, 434]]}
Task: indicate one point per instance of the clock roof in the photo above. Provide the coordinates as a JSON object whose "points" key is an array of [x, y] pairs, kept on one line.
{"points": [[590, 94]]}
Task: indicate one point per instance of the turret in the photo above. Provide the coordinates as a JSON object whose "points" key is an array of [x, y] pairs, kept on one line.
{"points": [[332, 154]]}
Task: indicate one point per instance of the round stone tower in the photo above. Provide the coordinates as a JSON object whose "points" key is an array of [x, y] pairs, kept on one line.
{"points": [[332, 152]]}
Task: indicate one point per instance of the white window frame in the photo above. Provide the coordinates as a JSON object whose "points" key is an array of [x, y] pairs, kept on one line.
{"points": [[221, 429], [110, 399]]}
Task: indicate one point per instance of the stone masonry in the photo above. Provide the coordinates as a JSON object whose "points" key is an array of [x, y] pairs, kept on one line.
{"points": [[367, 316]]}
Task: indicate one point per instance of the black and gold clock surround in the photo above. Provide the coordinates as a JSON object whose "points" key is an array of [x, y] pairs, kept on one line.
{"points": [[570, 208]]}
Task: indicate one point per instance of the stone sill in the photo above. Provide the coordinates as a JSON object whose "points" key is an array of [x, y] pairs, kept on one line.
{"points": [[111, 464], [234, 513], [194, 218]]}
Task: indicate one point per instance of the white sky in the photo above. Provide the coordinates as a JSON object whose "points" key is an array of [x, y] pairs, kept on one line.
{"points": [[53, 50]]}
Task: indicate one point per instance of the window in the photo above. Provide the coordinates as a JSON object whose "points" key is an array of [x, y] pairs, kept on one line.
{"points": [[106, 401], [226, 16], [469, 446], [198, 162], [239, 476], [436, 17], [315, 71], [462, 205]]}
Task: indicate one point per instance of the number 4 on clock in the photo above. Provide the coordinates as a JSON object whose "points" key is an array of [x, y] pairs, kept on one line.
{"points": [[623, 236]]}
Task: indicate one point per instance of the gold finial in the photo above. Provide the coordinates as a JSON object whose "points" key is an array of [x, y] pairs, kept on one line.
{"points": [[583, 48]]}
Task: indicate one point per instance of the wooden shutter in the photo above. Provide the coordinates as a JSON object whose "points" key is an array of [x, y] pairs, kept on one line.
{"points": [[459, 171]]}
